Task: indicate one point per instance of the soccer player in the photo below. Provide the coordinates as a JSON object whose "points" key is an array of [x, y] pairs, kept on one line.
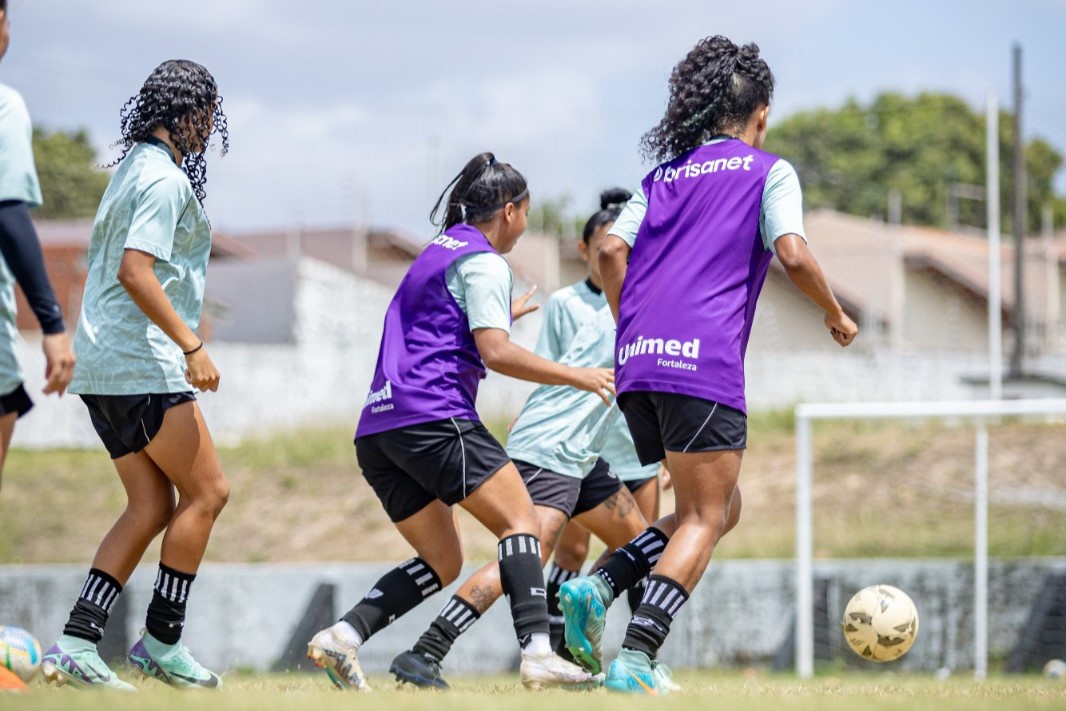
{"points": [[21, 260], [420, 443], [566, 311], [556, 444], [682, 270], [139, 359]]}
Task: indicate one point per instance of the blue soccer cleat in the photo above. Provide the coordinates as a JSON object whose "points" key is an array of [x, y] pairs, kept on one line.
{"points": [[584, 603], [634, 672]]}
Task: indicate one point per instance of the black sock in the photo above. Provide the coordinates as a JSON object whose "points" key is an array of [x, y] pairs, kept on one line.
{"points": [[556, 577], [633, 562], [398, 592], [89, 616], [635, 594], [453, 620], [522, 579], [650, 624], [166, 611]]}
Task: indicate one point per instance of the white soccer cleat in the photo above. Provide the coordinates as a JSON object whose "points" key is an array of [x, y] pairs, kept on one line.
{"points": [[551, 670], [339, 659]]}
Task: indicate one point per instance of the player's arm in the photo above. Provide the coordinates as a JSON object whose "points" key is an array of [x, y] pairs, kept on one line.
{"points": [[500, 354], [614, 255], [803, 271], [781, 224], [22, 251]]}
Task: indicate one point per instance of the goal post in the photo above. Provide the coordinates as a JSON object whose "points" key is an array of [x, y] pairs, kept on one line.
{"points": [[977, 411]]}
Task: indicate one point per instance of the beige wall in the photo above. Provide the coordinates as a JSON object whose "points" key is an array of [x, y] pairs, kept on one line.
{"points": [[785, 320], [939, 317]]}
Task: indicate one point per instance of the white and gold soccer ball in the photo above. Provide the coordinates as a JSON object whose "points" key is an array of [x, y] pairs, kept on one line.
{"points": [[19, 652], [880, 623]]}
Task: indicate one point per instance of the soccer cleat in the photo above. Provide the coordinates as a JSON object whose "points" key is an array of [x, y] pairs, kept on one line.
{"points": [[551, 670], [585, 612], [418, 669], [75, 661], [171, 664], [339, 659], [633, 672]]}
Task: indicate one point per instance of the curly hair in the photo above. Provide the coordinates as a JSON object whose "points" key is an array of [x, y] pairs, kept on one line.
{"points": [[713, 91], [481, 188], [611, 203], [182, 97]]}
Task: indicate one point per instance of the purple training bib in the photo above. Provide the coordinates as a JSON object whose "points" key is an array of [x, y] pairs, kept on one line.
{"points": [[695, 273], [428, 366]]}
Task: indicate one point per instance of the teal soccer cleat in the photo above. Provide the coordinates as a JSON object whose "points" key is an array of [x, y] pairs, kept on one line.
{"points": [[75, 661], [634, 672], [584, 603], [171, 664]]}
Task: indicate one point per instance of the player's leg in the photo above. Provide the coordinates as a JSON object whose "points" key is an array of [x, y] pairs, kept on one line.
{"points": [[429, 526], [646, 493], [7, 428], [421, 664], [184, 451], [149, 506], [566, 565], [503, 505]]}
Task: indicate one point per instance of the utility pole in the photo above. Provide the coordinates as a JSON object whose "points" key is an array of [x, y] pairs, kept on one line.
{"points": [[1020, 227]]}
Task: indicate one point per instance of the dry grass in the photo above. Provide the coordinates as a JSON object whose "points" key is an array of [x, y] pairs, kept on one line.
{"points": [[881, 490]]}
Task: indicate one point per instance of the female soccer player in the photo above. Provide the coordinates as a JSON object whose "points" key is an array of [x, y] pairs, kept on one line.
{"points": [[682, 270], [566, 311], [139, 359], [22, 261], [420, 443], [556, 444]]}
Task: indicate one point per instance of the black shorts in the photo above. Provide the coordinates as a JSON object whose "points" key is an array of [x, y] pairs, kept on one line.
{"points": [[410, 467], [569, 494], [17, 401], [635, 484], [127, 423], [668, 422]]}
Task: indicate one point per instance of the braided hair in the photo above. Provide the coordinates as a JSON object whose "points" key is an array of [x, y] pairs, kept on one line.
{"points": [[611, 203], [181, 96], [483, 187], [713, 91]]}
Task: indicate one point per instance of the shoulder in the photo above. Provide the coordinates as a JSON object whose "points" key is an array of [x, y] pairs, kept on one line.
{"points": [[157, 177], [11, 104]]}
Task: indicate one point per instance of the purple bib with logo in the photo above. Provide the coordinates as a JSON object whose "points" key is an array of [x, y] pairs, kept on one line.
{"points": [[428, 365], [695, 273]]}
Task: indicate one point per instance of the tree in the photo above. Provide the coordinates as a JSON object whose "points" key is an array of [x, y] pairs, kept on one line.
{"points": [[72, 187], [848, 159]]}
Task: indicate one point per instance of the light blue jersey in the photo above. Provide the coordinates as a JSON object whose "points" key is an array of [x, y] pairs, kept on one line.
{"points": [[149, 206], [565, 430], [18, 181], [567, 310]]}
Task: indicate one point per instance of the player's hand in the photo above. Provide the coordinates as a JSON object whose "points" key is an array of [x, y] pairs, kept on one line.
{"points": [[59, 363], [841, 328], [201, 372], [595, 380], [520, 307]]}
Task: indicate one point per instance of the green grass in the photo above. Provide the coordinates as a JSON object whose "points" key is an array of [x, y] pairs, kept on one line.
{"points": [[702, 691]]}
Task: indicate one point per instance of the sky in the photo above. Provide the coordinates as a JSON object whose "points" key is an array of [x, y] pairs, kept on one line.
{"points": [[358, 112]]}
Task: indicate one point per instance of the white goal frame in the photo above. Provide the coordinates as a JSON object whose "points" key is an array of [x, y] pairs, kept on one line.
{"points": [[977, 411]]}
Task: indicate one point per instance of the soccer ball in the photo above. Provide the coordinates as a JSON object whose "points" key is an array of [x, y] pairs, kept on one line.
{"points": [[880, 623], [19, 652], [1055, 669]]}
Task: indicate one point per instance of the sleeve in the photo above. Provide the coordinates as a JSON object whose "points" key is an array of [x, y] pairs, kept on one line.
{"points": [[159, 207], [628, 222], [782, 205], [548, 342], [22, 252], [485, 281]]}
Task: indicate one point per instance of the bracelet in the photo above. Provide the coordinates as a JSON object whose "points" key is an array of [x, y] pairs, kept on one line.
{"points": [[189, 353]]}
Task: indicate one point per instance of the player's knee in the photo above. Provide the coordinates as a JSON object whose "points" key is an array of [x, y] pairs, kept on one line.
{"points": [[733, 514], [447, 566], [215, 496], [572, 555], [152, 516]]}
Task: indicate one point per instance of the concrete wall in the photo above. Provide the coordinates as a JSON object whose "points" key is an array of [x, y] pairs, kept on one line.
{"points": [[241, 616]]}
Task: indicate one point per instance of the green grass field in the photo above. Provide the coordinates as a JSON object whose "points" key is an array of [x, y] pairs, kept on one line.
{"points": [[702, 691]]}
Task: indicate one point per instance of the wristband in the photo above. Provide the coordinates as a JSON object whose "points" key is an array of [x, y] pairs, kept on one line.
{"points": [[189, 353]]}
